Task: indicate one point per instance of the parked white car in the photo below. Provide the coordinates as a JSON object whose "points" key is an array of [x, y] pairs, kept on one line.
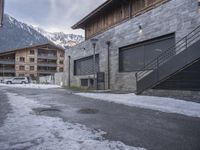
{"points": [[17, 80]]}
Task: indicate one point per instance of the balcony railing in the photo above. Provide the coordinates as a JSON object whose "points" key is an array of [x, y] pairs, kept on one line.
{"points": [[47, 71], [7, 70], [47, 64], [47, 56], [7, 61]]}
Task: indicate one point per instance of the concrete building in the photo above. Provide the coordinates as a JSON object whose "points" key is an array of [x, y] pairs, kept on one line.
{"points": [[130, 34], [34, 61]]}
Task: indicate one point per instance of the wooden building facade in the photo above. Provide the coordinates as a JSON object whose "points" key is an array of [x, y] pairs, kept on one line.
{"points": [[113, 12], [34, 61]]}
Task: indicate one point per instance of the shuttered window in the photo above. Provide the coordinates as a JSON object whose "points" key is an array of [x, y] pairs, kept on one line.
{"points": [[134, 57], [84, 66]]}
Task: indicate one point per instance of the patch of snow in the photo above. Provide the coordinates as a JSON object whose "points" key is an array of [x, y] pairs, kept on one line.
{"points": [[60, 38], [25, 130], [31, 86], [168, 105]]}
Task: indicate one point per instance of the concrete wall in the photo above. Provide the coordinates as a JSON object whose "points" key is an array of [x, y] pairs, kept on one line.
{"points": [[46, 80], [59, 78], [176, 16]]}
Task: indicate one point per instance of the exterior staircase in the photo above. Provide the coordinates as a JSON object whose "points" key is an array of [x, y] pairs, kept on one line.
{"points": [[171, 62]]}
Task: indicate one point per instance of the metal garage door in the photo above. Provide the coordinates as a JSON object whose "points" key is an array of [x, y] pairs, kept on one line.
{"points": [[84, 66], [134, 57]]}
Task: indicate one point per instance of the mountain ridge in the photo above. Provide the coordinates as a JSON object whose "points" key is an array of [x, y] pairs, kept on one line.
{"points": [[16, 34]]}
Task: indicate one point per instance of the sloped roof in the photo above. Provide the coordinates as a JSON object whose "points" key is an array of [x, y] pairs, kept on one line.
{"points": [[98, 10], [33, 46]]}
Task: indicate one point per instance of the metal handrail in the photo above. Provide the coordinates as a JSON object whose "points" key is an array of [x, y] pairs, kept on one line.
{"points": [[180, 46]]}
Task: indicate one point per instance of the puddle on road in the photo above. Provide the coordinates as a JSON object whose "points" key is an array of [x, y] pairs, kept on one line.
{"points": [[88, 111]]}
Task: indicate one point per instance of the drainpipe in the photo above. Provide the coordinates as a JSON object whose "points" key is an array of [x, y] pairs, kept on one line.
{"points": [[3, 71], [108, 60], [69, 69]]}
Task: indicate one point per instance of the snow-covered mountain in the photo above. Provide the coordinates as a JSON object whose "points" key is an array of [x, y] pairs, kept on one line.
{"points": [[60, 38], [16, 34]]}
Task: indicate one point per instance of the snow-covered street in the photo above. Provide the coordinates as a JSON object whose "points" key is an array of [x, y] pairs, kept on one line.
{"points": [[168, 105], [25, 130], [31, 86], [53, 118]]}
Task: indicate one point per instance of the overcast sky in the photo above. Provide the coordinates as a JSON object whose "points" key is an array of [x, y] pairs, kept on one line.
{"points": [[51, 15]]}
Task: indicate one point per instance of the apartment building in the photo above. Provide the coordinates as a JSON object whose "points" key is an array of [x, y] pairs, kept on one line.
{"points": [[34, 61], [132, 34]]}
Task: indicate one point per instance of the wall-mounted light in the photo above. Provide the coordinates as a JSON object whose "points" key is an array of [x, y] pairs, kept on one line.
{"points": [[84, 51], [140, 29]]}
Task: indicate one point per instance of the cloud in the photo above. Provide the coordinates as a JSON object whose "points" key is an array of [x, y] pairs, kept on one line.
{"points": [[52, 15]]}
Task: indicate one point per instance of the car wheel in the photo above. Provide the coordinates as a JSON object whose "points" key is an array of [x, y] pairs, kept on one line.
{"points": [[23, 82], [8, 82]]}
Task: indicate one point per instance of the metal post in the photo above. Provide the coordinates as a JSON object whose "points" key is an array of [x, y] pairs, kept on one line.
{"points": [[3, 71], [157, 66], [136, 76], [94, 64], [69, 71], [186, 42], [108, 67], [94, 42]]}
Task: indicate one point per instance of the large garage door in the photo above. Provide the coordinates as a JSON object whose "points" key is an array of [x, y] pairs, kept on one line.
{"points": [[84, 66], [134, 57]]}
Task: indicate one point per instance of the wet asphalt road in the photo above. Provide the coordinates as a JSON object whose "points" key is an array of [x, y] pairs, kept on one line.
{"points": [[137, 127]]}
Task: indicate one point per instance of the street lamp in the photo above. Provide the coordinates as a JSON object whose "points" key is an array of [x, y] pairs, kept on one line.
{"points": [[108, 60], [94, 43]]}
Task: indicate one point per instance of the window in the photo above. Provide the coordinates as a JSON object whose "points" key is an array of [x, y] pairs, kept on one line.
{"points": [[21, 75], [32, 52], [32, 68], [21, 67], [84, 82], [84, 66], [61, 61], [62, 55], [61, 69], [32, 76], [32, 60], [87, 82], [22, 59]]}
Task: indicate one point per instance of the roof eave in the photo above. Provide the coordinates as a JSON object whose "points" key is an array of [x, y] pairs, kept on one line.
{"points": [[34, 46], [82, 22]]}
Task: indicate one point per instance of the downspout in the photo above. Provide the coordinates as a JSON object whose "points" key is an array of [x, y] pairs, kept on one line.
{"points": [[69, 73], [108, 61]]}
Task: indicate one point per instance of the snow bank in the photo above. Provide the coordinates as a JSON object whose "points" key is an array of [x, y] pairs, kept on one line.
{"points": [[25, 130], [168, 105], [31, 86]]}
